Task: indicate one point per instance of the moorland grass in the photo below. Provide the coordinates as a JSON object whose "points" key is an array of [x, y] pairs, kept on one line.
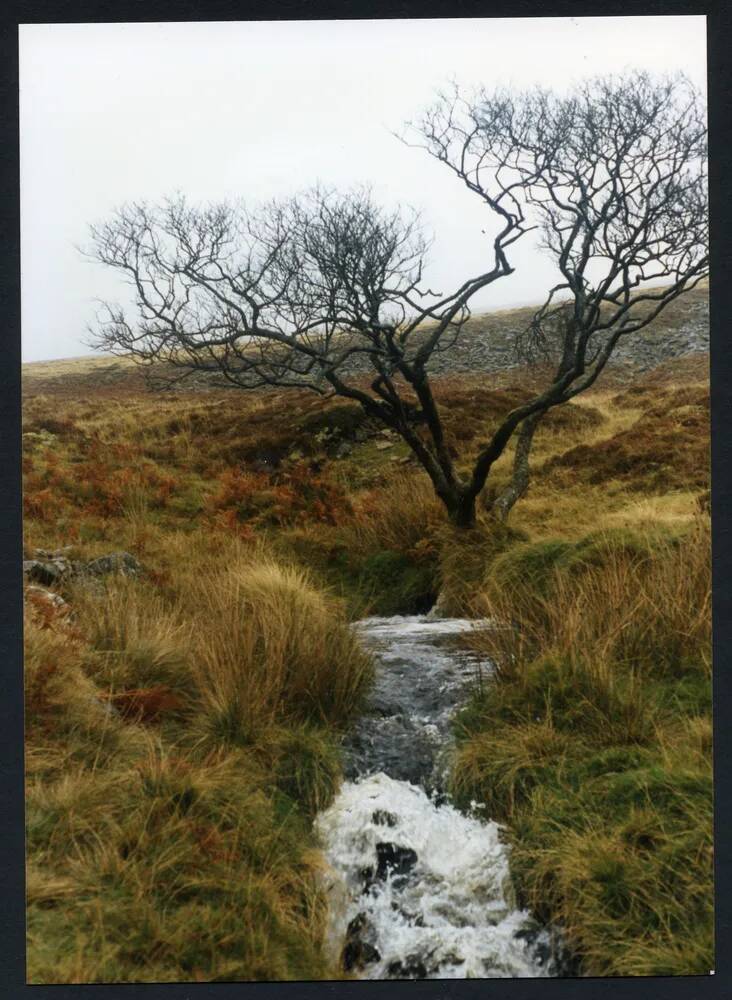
{"points": [[183, 726], [593, 743], [181, 848]]}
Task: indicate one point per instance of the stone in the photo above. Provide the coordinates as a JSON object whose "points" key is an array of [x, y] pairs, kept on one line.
{"points": [[383, 445], [488, 344], [115, 562], [47, 571], [358, 950], [392, 858], [356, 954], [382, 817], [411, 968], [46, 597], [367, 877], [53, 567]]}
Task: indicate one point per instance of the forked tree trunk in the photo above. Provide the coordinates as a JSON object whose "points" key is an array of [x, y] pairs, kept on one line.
{"points": [[461, 510]]}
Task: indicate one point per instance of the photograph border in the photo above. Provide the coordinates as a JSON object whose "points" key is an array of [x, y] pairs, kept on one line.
{"points": [[12, 918]]}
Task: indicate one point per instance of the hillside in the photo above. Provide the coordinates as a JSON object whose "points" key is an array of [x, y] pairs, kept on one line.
{"points": [[194, 563], [486, 345]]}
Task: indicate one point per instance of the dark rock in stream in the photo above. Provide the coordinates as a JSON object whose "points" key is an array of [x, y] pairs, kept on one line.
{"points": [[412, 967], [356, 954], [384, 818], [395, 859], [358, 951]]}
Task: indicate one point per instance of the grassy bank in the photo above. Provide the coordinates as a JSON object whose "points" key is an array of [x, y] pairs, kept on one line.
{"points": [[593, 744], [179, 742]]}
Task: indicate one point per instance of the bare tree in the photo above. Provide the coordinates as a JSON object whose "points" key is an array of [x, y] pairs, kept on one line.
{"points": [[309, 291], [614, 177]]}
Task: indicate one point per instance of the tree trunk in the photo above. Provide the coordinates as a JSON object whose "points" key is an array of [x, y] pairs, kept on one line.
{"points": [[461, 510], [520, 480]]}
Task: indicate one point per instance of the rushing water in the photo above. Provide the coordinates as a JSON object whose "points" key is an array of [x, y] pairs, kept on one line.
{"points": [[417, 888]]}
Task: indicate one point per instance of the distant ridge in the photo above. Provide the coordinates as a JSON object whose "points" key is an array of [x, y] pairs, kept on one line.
{"points": [[486, 345]]}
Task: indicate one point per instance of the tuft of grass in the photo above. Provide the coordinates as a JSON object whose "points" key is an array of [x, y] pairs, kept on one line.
{"points": [[66, 716], [137, 639], [179, 871], [272, 646]]}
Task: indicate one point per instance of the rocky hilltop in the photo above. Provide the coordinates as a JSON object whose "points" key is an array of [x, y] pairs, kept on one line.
{"points": [[487, 343]]}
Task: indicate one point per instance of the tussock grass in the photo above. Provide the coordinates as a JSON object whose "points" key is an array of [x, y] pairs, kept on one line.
{"points": [[606, 588], [273, 646], [67, 719], [177, 871], [403, 515], [138, 640], [178, 845], [594, 742]]}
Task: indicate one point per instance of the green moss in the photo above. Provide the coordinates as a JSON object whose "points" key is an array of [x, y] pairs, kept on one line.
{"points": [[597, 548], [614, 760], [394, 583], [530, 566], [668, 790], [308, 767]]}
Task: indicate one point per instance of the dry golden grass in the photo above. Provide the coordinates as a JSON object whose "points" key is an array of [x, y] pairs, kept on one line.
{"points": [[594, 741], [181, 848], [170, 870], [270, 645], [404, 514]]}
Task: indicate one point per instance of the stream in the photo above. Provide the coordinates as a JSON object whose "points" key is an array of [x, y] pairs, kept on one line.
{"points": [[417, 889]]}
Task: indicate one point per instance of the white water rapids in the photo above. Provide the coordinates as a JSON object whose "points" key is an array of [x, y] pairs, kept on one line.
{"points": [[416, 888]]}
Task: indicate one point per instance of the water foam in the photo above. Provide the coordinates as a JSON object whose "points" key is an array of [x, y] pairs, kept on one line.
{"points": [[447, 911]]}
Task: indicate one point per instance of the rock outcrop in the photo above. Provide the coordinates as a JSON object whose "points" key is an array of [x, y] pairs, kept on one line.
{"points": [[50, 568]]}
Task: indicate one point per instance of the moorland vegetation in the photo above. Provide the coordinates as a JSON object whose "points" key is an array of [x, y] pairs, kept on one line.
{"points": [[183, 722]]}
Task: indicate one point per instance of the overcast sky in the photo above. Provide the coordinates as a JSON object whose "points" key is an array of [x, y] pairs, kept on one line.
{"points": [[117, 112]]}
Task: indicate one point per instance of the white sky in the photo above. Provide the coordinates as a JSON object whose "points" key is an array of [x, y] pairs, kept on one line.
{"points": [[118, 112]]}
